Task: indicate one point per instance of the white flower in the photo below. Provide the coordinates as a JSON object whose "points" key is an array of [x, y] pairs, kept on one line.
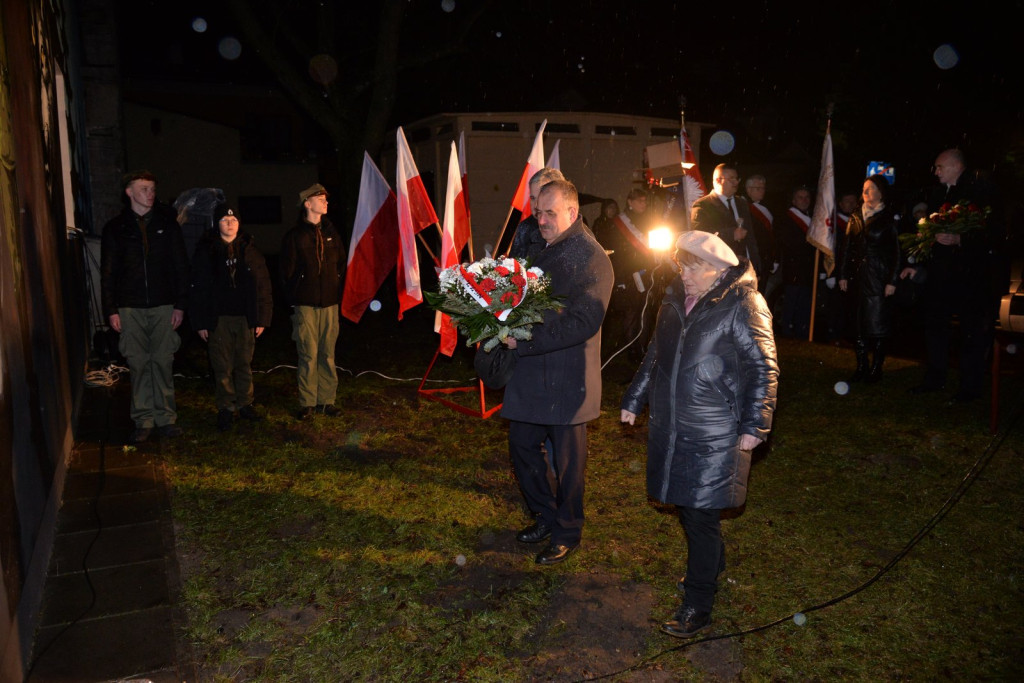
{"points": [[477, 268], [536, 271]]}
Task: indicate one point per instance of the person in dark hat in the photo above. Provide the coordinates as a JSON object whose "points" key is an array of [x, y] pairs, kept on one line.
{"points": [[869, 269], [312, 265], [144, 280], [710, 376], [231, 305]]}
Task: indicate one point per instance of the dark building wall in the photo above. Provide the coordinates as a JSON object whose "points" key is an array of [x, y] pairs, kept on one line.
{"points": [[41, 336]]}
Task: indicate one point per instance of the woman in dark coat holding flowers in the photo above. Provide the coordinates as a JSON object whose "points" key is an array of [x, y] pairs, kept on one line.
{"points": [[870, 269], [709, 380]]}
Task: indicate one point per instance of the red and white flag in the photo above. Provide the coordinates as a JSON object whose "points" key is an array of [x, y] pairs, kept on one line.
{"points": [[822, 231], [453, 214], [463, 232], [374, 246], [415, 212], [693, 187], [555, 160], [521, 200]]}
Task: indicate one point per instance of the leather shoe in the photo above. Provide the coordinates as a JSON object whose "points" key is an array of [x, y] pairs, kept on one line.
{"points": [[249, 413], [554, 554], [171, 431], [687, 622], [140, 434], [224, 419], [329, 410], [535, 533], [305, 411]]}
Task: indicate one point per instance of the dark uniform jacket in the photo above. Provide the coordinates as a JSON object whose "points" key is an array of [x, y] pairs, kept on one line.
{"points": [[710, 214], [557, 377], [707, 378], [209, 272], [312, 264], [143, 271]]}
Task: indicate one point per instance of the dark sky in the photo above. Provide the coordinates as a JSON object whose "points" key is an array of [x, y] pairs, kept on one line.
{"points": [[764, 72]]}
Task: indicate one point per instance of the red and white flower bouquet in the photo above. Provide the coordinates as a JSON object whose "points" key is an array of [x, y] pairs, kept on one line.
{"points": [[493, 299], [954, 219]]}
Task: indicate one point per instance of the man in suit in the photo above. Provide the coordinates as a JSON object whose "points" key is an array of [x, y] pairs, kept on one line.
{"points": [[960, 282], [555, 388], [723, 213]]}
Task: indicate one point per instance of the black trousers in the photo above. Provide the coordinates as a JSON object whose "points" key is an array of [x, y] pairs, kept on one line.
{"points": [[705, 556], [561, 507], [975, 316]]}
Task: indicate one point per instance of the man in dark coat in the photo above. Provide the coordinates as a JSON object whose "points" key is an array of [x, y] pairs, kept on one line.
{"points": [[709, 380], [796, 257], [960, 281], [633, 263], [312, 264], [230, 306], [724, 213], [144, 276], [556, 386]]}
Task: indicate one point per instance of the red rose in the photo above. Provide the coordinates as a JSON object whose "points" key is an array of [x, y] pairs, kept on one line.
{"points": [[945, 207], [518, 280], [487, 284], [508, 298], [532, 276], [502, 270]]}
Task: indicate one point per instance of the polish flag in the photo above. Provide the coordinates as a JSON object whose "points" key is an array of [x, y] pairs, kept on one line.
{"points": [[414, 213], [555, 160], [454, 212], [374, 246], [521, 200], [463, 233]]}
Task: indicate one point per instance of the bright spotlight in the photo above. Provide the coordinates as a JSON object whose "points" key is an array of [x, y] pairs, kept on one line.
{"points": [[661, 239]]}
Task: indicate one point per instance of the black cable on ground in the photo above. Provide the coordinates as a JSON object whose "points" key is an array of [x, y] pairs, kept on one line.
{"points": [[99, 528], [968, 480]]}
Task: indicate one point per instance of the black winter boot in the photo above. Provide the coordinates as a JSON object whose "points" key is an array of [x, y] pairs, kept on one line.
{"points": [[876, 367], [862, 371]]}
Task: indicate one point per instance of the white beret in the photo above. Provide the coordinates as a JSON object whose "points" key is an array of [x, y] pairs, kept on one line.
{"points": [[707, 247]]}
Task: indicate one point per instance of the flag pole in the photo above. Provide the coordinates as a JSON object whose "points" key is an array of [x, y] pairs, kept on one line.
{"points": [[814, 296], [817, 252], [427, 247], [501, 234]]}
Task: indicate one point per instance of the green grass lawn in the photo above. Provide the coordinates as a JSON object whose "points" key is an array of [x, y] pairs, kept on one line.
{"points": [[378, 545]]}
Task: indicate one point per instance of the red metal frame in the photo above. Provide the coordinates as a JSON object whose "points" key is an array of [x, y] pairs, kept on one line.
{"points": [[438, 394]]}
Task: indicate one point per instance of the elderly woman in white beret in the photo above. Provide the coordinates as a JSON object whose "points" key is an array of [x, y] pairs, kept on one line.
{"points": [[709, 380]]}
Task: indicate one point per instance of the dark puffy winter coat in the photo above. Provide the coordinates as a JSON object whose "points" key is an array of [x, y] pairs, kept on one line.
{"points": [[557, 377], [251, 277], [133, 277], [707, 378], [307, 280], [871, 260]]}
